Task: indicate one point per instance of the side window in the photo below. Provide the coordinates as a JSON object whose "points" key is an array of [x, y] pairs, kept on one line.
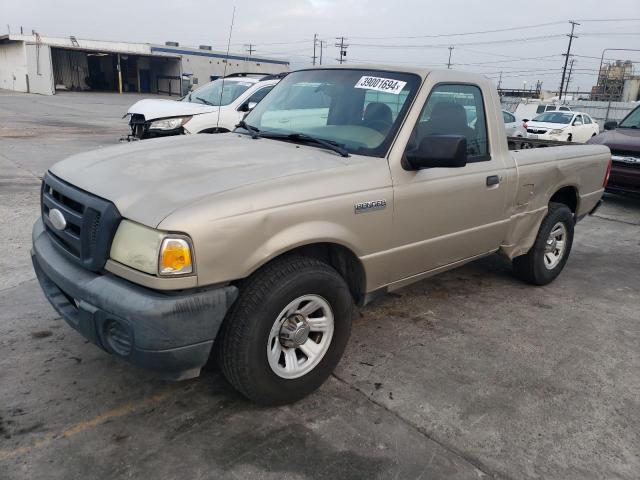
{"points": [[453, 109], [540, 109], [565, 109], [587, 120], [578, 120], [260, 94], [508, 118]]}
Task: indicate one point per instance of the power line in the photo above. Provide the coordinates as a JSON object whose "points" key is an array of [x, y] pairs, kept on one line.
{"points": [[481, 32], [447, 45], [609, 20]]}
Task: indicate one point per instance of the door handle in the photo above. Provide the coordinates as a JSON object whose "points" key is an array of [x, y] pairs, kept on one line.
{"points": [[493, 180]]}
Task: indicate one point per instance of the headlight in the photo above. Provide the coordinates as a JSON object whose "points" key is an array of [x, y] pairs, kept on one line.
{"points": [[169, 123], [557, 131], [151, 251]]}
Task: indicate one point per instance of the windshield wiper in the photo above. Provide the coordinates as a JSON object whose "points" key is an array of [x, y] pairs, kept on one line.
{"points": [[207, 102], [303, 137], [253, 131]]}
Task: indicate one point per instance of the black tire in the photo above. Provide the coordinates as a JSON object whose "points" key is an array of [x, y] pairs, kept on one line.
{"points": [[241, 345], [531, 267]]}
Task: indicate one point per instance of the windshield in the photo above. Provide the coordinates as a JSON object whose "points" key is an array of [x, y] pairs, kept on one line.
{"points": [[358, 109], [554, 117], [632, 120], [209, 94]]}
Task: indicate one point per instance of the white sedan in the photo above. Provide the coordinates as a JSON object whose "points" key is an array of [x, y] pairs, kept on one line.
{"points": [[562, 126]]}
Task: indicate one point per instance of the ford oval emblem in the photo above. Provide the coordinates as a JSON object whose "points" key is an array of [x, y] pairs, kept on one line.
{"points": [[57, 219]]}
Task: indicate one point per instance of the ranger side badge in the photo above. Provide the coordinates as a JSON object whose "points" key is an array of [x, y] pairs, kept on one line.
{"points": [[364, 207]]}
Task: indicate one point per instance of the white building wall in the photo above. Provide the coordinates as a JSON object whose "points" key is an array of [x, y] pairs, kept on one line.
{"points": [[13, 66], [203, 68], [40, 69], [203, 64]]}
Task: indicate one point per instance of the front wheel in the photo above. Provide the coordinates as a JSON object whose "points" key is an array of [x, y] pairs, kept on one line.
{"points": [[286, 331], [550, 251]]}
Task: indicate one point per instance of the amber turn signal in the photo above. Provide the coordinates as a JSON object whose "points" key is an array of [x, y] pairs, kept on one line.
{"points": [[175, 257]]}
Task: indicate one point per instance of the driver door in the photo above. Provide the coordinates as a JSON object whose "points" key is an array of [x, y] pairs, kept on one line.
{"points": [[446, 215]]}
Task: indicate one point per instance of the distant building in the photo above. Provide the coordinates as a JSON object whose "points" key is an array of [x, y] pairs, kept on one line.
{"points": [[612, 78], [42, 64]]}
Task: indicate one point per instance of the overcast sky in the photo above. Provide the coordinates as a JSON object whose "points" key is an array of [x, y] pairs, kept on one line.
{"points": [[377, 30]]}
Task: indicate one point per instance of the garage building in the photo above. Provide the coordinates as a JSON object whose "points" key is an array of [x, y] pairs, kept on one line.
{"points": [[41, 64]]}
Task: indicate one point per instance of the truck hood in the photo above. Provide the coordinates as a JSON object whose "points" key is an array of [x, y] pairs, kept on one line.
{"points": [[159, 108], [621, 139], [149, 180]]}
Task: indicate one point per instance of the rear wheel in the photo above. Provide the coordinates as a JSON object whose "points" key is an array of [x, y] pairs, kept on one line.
{"points": [[549, 254], [286, 331]]}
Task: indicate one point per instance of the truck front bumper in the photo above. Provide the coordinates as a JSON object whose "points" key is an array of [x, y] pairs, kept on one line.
{"points": [[171, 333]]}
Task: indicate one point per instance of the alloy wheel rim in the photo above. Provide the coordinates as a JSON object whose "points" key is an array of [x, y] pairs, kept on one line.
{"points": [[300, 336], [555, 246]]}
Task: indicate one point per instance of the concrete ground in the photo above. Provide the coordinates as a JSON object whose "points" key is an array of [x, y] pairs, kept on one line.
{"points": [[470, 374]]}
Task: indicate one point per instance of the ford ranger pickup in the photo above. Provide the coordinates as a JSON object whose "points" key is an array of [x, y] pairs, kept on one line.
{"points": [[255, 246]]}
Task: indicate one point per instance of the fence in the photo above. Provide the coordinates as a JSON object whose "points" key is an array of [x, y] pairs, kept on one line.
{"points": [[601, 112]]}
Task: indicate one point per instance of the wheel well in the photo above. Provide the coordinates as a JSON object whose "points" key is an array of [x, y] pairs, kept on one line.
{"points": [[567, 196], [342, 259]]}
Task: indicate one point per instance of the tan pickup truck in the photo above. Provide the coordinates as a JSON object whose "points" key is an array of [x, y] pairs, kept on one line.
{"points": [[255, 245]]}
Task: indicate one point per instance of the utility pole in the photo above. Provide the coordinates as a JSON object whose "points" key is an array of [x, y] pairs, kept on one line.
{"points": [[343, 49], [500, 81], [449, 62], [321, 43], [566, 56], [250, 48], [566, 87], [315, 42]]}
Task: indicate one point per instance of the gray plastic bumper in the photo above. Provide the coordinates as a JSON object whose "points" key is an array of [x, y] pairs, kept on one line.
{"points": [[171, 333]]}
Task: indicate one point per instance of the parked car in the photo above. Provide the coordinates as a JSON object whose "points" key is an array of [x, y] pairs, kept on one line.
{"points": [[213, 108], [513, 127], [262, 241], [563, 126], [527, 111], [624, 141]]}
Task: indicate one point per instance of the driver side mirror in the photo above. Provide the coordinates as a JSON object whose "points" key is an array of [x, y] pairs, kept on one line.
{"points": [[247, 106], [612, 125], [439, 151]]}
